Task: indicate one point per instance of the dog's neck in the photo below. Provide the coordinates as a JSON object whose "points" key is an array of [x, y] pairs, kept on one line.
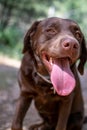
{"points": [[41, 70], [45, 78]]}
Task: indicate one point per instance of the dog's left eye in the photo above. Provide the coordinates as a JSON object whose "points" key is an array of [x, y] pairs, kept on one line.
{"points": [[77, 32], [78, 35]]}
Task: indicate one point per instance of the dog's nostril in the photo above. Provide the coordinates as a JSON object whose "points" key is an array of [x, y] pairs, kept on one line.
{"points": [[66, 45], [75, 46], [70, 45]]}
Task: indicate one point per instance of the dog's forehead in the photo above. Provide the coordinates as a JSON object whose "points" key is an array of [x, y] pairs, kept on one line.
{"points": [[54, 21]]}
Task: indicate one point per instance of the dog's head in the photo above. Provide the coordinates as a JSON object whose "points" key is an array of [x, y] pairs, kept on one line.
{"points": [[59, 43]]}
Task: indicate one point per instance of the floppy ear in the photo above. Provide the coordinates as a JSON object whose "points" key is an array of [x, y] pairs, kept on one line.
{"points": [[83, 57], [27, 40]]}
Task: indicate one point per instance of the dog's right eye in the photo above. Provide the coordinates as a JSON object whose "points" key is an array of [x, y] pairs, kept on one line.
{"points": [[51, 31]]}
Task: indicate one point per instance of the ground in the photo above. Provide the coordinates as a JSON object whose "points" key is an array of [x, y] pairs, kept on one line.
{"points": [[9, 93]]}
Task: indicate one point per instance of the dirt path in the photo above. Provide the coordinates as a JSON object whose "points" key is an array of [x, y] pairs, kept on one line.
{"points": [[9, 92]]}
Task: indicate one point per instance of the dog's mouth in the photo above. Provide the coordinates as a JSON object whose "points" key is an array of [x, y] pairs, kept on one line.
{"points": [[61, 75]]}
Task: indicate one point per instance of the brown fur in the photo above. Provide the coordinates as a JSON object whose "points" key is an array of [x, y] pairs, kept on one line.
{"points": [[58, 112]]}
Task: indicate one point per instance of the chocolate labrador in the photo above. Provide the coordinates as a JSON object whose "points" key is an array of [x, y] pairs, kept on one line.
{"points": [[48, 74]]}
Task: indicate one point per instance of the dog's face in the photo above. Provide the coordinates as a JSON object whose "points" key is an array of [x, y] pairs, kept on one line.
{"points": [[58, 43], [57, 38]]}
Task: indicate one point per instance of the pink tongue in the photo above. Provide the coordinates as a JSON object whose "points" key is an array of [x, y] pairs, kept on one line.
{"points": [[62, 78]]}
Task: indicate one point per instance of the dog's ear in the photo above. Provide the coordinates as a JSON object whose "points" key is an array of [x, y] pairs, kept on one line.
{"points": [[27, 40], [83, 57]]}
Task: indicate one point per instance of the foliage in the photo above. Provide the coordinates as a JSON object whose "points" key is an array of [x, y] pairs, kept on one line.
{"points": [[11, 38], [17, 15], [77, 10]]}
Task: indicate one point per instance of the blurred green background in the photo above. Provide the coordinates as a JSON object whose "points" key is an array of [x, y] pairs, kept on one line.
{"points": [[17, 15]]}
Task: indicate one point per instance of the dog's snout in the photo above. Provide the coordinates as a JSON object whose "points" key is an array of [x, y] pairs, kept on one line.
{"points": [[70, 44]]}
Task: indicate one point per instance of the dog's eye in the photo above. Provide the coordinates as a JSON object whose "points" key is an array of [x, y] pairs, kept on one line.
{"points": [[78, 35], [51, 31], [77, 32]]}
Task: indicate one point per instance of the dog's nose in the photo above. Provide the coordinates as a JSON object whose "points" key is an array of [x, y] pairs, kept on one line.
{"points": [[70, 44]]}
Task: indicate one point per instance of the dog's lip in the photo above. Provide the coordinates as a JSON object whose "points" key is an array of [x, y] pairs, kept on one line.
{"points": [[51, 59]]}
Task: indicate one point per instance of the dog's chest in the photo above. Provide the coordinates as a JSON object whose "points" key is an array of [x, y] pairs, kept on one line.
{"points": [[47, 101]]}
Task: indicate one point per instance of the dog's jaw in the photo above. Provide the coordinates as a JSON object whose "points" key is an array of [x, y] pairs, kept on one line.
{"points": [[60, 73]]}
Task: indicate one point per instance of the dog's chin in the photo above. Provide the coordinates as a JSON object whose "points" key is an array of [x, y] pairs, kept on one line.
{"points": [[61, 75]]}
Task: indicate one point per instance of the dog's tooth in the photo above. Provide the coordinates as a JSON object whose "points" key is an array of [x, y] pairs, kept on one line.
{"points": [[54, 91], [51, 60]]}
